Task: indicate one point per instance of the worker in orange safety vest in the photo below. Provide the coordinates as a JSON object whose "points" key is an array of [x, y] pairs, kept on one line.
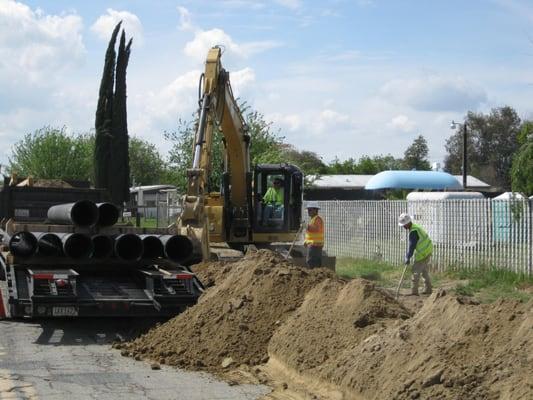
{"points": [[314, 236]]}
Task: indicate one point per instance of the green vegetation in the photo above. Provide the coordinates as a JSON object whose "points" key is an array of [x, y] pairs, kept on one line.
{"points": [[490, 284], [385, 274], [522, 170], [111, 158], [416, 155], [492, 141], [54, 153], [143, 222], [486, 284]]}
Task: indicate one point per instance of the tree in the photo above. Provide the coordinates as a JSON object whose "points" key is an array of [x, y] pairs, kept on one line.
{"points": [[526, 133], [266, 147], [309, 162], [111, 160], [366, 165], [120, 170], [522, 171], [104, 117], [491, 144], [146, 164], [416, 155], [51, 153]]}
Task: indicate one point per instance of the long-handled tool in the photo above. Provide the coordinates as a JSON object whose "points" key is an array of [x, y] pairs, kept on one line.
{"points": [[294, 241], [401, 280]]}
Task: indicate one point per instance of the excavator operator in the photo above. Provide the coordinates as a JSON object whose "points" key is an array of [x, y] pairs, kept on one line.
{"points": [[273, 202]]}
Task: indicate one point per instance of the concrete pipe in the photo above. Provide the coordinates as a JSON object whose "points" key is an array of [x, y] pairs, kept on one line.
{"points": [[77, 245], [81, 213], [153, 248], [23, 244], [102, 246], [129, 247], [108, 214], [177, 247], [49, 244]]}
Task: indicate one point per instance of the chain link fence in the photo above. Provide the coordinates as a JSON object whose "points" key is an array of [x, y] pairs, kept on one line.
{"points": [[465, 233]]}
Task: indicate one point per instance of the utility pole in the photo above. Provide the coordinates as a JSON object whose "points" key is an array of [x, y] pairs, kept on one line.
{"points": [[464, 157], [454, 125]]}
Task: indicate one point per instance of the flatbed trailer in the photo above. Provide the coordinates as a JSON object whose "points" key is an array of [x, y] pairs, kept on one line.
{"points": [[40, 286]]}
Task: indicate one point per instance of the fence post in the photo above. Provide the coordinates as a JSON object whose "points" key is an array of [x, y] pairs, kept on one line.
{"points": [[530, 239]]}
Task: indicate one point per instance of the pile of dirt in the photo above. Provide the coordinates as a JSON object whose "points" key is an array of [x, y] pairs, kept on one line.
{"points": [[452, 348], [345, 339], [234, 320], [51, 183]]}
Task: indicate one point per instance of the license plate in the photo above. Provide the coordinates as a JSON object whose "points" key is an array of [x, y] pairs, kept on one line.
{"points": [[64, 311]]}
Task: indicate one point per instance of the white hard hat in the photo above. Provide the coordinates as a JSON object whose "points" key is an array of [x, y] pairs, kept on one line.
{"points": [[313, 204], [404, 219]]}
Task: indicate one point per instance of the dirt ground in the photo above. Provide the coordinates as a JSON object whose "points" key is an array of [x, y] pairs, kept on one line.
{"points": [[310, 335]]}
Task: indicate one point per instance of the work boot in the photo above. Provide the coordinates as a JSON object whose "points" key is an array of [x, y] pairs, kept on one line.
{"points": [[413, 294], [427, 291]]}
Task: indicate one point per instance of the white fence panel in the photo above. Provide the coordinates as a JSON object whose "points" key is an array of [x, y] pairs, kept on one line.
{"points": [[466, 233]]}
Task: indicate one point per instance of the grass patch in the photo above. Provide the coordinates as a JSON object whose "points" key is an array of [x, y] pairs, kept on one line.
{"points": [[490, 284], [385, 274], [486, 284], [144, 222]]}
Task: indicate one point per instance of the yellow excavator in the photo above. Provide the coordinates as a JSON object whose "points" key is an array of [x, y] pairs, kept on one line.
{"points": [[237, 215]]}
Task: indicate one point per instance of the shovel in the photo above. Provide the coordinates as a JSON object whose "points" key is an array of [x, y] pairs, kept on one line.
{"points": [[401, 281], [294, 241]]}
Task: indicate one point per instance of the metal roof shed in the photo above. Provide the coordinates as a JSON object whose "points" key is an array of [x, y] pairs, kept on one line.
{"points": [[430, 180]]}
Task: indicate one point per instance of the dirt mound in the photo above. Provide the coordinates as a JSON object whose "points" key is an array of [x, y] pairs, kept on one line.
{"points": [[333, 339], [210, 273], [234, 320], [453, 348], [333, 317]]}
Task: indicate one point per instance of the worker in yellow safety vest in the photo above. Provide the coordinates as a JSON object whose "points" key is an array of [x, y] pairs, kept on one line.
{"points": [[273, 202], [421, 246], [314, 236]]}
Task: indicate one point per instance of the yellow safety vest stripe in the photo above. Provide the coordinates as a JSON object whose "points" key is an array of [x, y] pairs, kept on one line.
{"points": [[424, 246]]}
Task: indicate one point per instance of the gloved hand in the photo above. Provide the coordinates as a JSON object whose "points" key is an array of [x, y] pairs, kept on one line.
{"points": [[406, 260]]}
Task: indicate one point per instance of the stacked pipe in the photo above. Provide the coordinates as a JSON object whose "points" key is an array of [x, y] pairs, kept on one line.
{"points": [[86, 214]]}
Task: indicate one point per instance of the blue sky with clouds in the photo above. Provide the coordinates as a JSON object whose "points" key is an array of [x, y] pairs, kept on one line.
{"points": [[343, 78]]}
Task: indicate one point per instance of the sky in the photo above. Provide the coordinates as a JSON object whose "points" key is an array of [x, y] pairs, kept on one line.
{"points": [[342, 78]]}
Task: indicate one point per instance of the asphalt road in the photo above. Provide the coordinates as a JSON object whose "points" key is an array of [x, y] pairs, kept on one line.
{"points": [[73, 360]]}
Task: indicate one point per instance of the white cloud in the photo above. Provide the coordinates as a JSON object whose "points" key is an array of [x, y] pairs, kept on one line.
{"points": [[179, 96], [290, 122], [331, 116], [241, 79], [34, 46], [402, 122], [204, 40], [105, 24], [329, 120], [159, 110], [435, 93], [185, 19]]}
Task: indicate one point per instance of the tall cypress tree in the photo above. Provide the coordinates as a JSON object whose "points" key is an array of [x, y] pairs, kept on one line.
{"points": [[104, 116], [111, 158], [120, 191]]}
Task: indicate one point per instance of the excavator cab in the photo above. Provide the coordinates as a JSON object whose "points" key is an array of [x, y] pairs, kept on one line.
{"points": [[277, 194]]}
